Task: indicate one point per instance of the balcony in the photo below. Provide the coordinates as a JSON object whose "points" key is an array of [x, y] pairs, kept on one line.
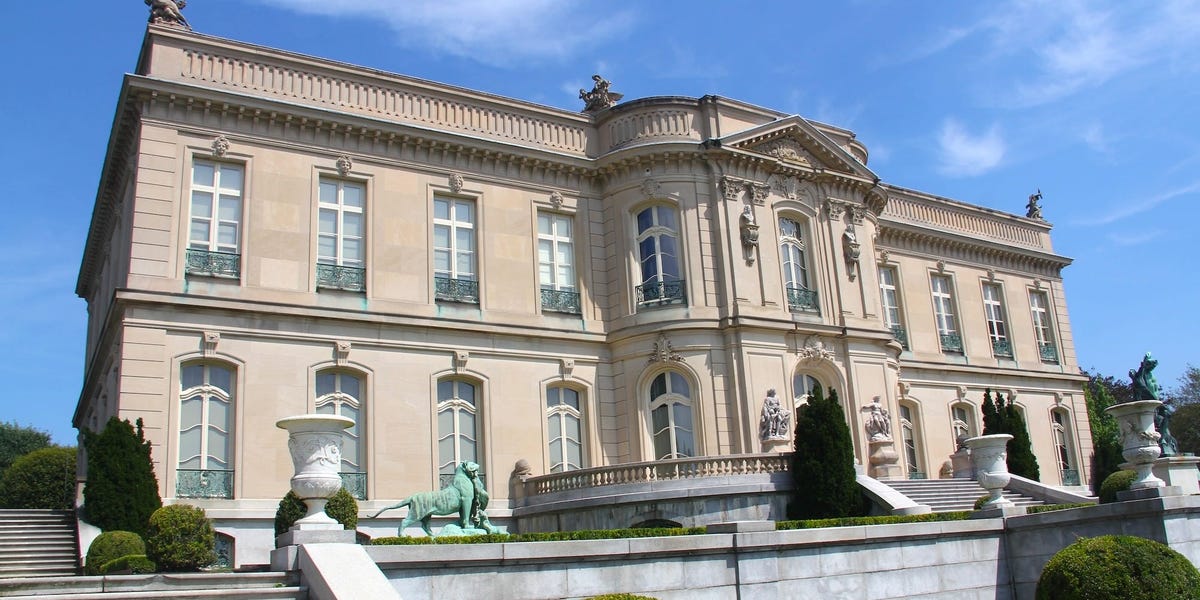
{"points": [[802, 300], [1049, 353], [563, 301], [916, 475], [337, 277], [206, 483], [901, 335], [213, 264], [662, 292], [449, 289], [951, 343], [356, 484], [1002, 349]]}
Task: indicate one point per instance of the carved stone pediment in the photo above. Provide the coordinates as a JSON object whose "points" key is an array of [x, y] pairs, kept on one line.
{"points": [[795, 141], [788, 149]]}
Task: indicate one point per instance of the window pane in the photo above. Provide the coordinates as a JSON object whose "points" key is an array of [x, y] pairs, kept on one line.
{"points": [[327, 221], [231, 178], [556, 450], [352, 195], [218, 447], [554, 424], [666, 217], [565, 254], [227, 234], [189, 445], [441, 209], [202, 173], [445, 390], [325, 384], [683, 416], [465, 265], [564, 227], [659, 420], [191, 376], [464, 240], [466, 391], [545, 251], [645, 220], [218, 413], [221, 378], [190, 413], [352, 250], [659, 386], [326, 247], [202, 204], [352, 224], [199, 232], [571, 427], [543, 224], [571, 398], [464, 212], [683, 443], [328, 192], [679, 385], [441, 261], [574, 454], [351, 386], [328, 408]]}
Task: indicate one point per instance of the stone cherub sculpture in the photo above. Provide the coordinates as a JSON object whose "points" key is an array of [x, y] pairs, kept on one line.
{"points": [[1145, 387], [1162, 422], [1032, 209], [600, 97], [878, 423], [167, 12], [773, 424]]}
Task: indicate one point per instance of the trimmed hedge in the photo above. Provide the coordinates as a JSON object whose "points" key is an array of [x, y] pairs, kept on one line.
{"points": [[1118, 567], [1053, 507], [553, 536], [134, 564], [41, 479], [110, 546], [980, 501], [1117, 482], [621, 597], [877, 520], [342, 507], [180, 539]]}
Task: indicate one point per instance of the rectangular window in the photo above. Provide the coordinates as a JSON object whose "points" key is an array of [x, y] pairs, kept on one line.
{"points": [[556, 263], [1042, 330], [993, 308], [890, 301], [943, 311], [214, 231], [341, 235], [454, 271]]}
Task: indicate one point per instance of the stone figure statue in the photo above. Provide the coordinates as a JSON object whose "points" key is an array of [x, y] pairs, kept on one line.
{"points": [[773, 425], [749, 227], [167, 12], [600, 97], [1145, 387], [879, 422], [479, 519], [1162, 422], [459, 496], [1032, 209]]}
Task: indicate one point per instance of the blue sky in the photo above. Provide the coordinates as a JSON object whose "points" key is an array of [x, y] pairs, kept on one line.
{"points": [[1095, 103]]}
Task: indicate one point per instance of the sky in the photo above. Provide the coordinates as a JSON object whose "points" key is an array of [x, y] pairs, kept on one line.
{"points": [[1097, 104]]}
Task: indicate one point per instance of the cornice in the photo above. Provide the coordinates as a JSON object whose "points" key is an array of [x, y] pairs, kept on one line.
{"points": [[940, 244]]}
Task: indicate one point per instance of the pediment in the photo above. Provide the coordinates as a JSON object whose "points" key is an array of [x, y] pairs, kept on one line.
{"points": [[795, 141]]}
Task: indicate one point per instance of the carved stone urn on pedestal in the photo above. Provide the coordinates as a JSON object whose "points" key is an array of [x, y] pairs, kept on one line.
{"points": [[1139, 440], [989, 457], [315, 442]]}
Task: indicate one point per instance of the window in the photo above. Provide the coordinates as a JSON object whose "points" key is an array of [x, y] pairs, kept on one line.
{"points": [[943, 312], [962, 420], [341, 230], [890, 301], [458, 435], [564, 418], [908, 436], [556, 263], [340, 393], [795, 267], [1042, 329], [214, 234], [803, 386], [205, 431], [993, 308], [1063, 447], [658, 253], [671, 417], [454, 275]]}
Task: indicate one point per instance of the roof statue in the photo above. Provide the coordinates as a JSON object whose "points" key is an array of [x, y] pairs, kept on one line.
{"points": [[167, 12], [1032, 209], [599, 98]]}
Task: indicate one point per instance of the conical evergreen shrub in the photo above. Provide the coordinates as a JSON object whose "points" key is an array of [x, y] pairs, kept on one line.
{"points": [[1021, 460], [823, 462], [121, 491]]}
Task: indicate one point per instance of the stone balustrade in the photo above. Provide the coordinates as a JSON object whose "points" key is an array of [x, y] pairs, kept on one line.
{"points": [[660, 470], [966, 219]]}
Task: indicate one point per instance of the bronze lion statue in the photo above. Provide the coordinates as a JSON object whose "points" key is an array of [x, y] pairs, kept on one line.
{"points": [[458, 497]]}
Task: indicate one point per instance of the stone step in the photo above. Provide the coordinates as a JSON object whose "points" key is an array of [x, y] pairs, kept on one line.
{"points": [[275, 593], [172, 584]]}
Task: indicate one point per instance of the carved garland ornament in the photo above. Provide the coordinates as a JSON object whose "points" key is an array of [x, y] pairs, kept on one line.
{"points": [[456, 183], [663, 351], [814, 350]]}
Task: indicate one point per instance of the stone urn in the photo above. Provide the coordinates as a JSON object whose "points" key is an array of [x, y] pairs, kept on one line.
{"points": [[1139, 440], [989, 457], [315, 442]]}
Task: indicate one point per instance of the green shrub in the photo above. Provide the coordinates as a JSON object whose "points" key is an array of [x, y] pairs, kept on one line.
{"points": [[41, 479], [1117, 482], [133, 564], [621, 597], [180, 538], [876, 520], [110, 546], [980, 501], [121, 491], [552, 536], [342, 507], [18, 440], [1053, 507], [823, 462], [1118, 567]]}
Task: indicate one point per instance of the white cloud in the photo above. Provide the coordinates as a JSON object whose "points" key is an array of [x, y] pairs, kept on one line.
{"points": [[1134, 238], [963, 154], [497, 32], [1093, 136], [1140, 206]]}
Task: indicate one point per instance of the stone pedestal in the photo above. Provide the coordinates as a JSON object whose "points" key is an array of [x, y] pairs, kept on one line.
{"points": [[883, 460], [1179, 471], [960, 462], [777, 445]]}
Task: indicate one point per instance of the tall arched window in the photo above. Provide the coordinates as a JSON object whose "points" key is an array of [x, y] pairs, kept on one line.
{"points": [[1063, 448], [341, 393], [205, 431], [564, 425], [671, 426], [658, 255], [803, 386], [908, 436], [458, 427], [800, 294], [962, 420]]}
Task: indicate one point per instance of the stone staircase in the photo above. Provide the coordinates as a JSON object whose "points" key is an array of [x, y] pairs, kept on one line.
{"points": [[949, 495], [38, 543], [176, 586]]}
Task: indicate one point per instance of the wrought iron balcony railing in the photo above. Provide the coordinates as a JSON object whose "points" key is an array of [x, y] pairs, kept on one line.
{"points": [[1002, 348], [802, 299], [213, 264], [350, 279], [204, 483], [1049, 353], [951, 343], [901, 335], [1070, 476], [356, 484], [456, 290], [563, 301], [916, 475], [662, 292]]}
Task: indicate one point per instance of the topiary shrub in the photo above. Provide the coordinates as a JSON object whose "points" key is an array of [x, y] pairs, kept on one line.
{"points": [[823, 462], [342, 507], [121, 491], [109, 546], [1117, 482], [1118, 567], [41, 479], [180, 538], [134, 564]]}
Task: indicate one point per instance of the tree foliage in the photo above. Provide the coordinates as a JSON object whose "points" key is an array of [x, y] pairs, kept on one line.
{"points": [[42, 479], [121, 491], [823, 462], [1188, 390], [18, 440], [342, 507], [1185, 426], [1002, 416], [1100, 393]]}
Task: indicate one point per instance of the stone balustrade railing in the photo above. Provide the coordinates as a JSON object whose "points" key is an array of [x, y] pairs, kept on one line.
{"points": [[966, 220], [659, 470], [652, 120]]}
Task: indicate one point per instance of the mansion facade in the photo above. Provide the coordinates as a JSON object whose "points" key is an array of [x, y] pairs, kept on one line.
{"points": [[472, 277]]}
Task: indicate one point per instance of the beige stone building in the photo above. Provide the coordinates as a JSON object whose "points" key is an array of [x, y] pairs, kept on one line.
{"points": [[472, 277]]}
